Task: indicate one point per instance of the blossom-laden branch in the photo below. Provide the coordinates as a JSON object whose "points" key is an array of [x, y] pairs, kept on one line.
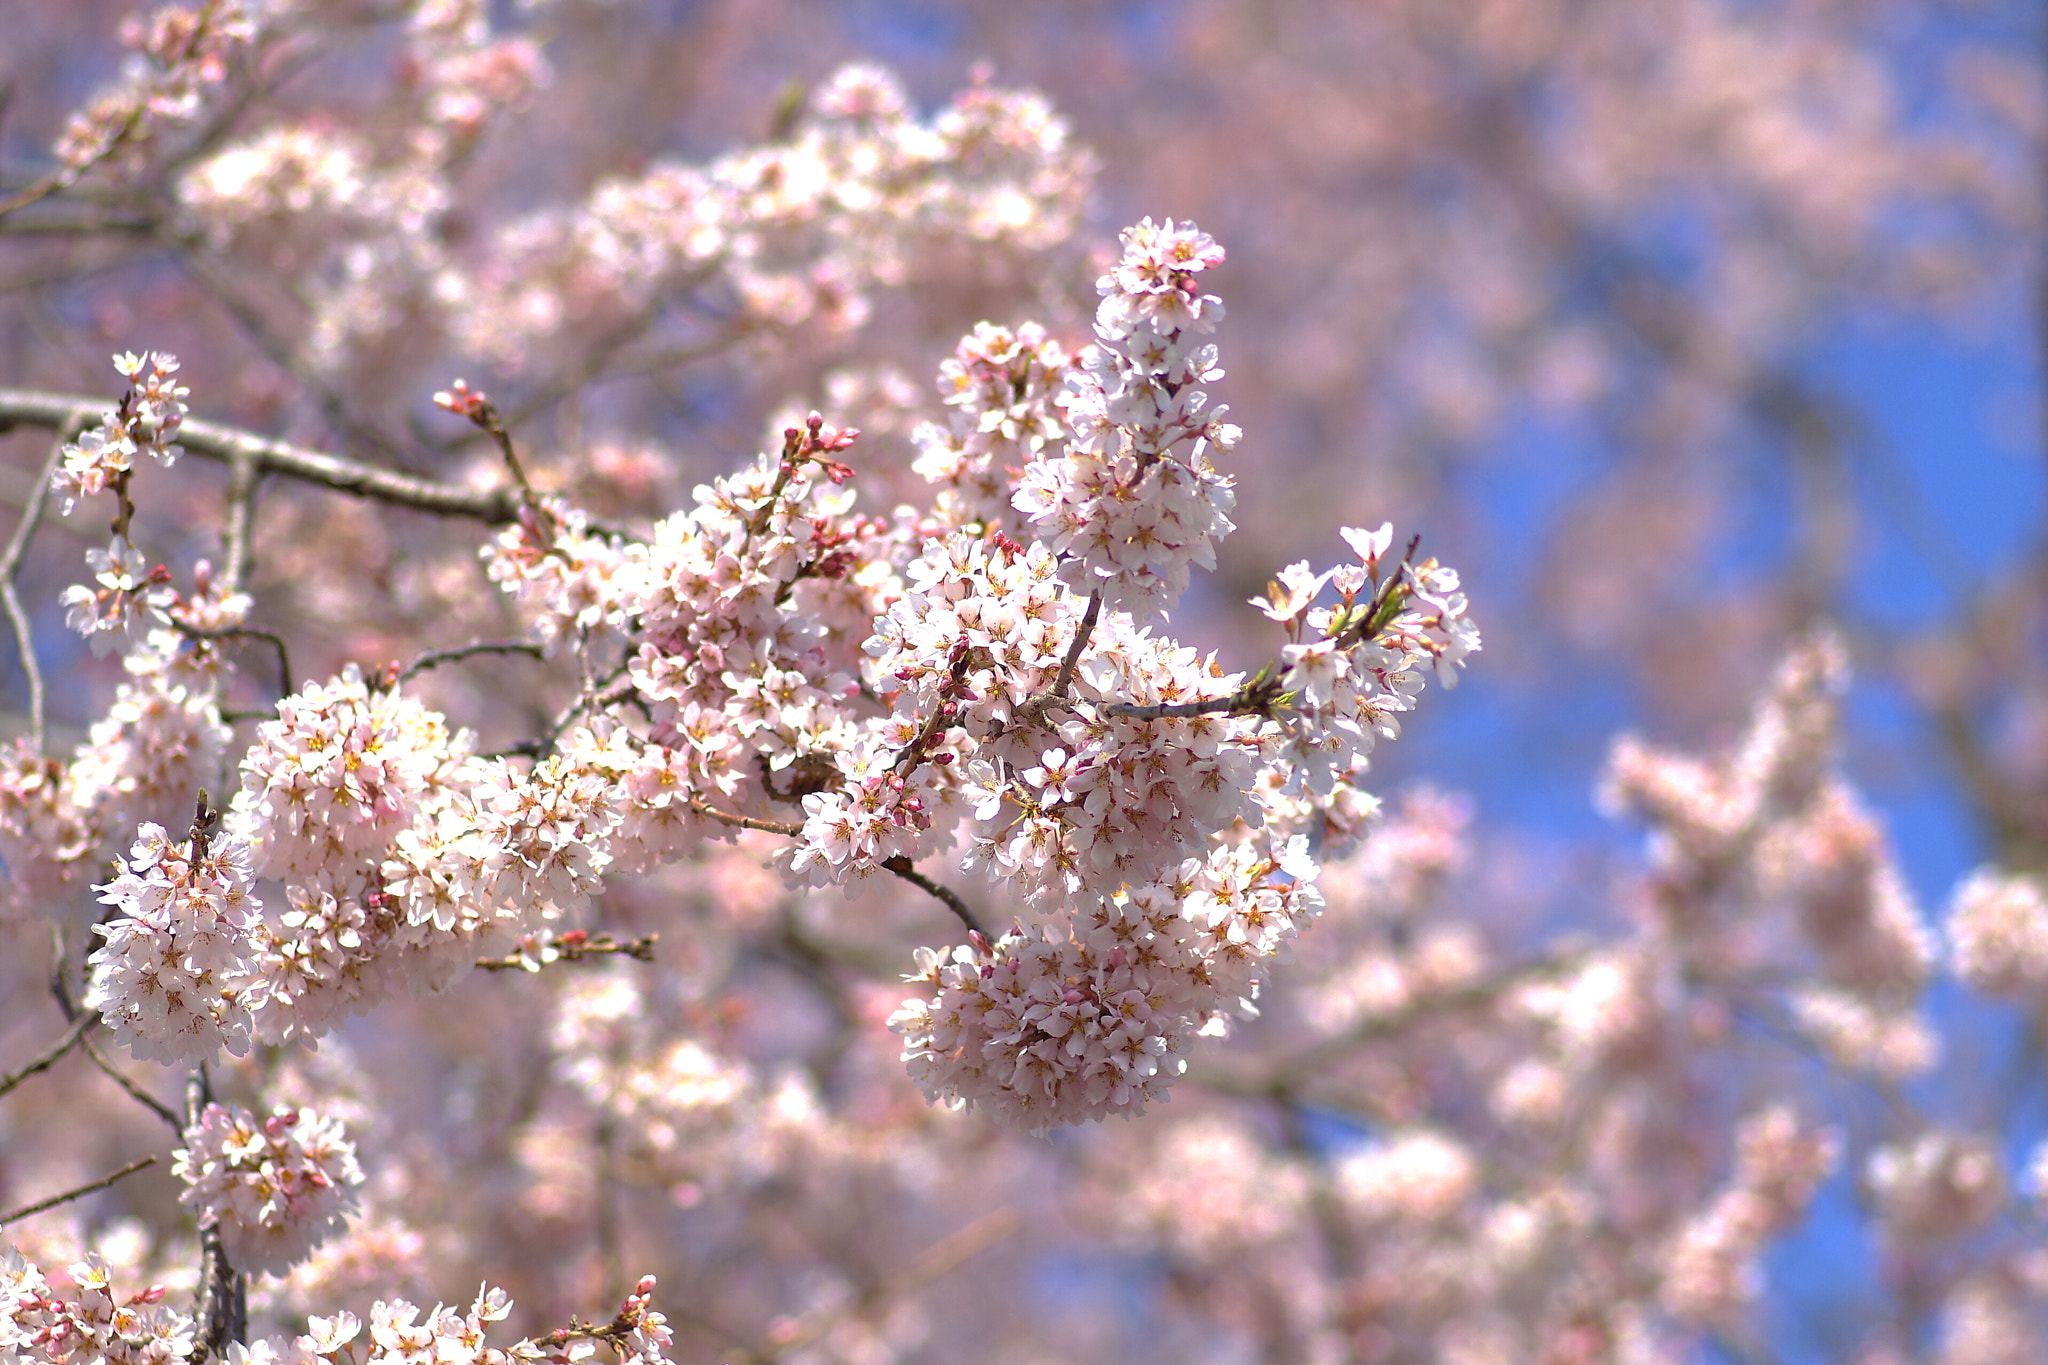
{"points": [[393, 841], [180, 53], [225, 444]]}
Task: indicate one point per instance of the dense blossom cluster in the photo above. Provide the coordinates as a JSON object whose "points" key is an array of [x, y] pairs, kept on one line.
{"points": [[1711, 1275], [45, 1324], [1050, 1027], [792, 233], [176, 977], [177, 54], [329, 784], [1998, 934], [1456, 1136], [274, 1187], [1128, 515], [1003, 386], [162, 740], [912, 685]]}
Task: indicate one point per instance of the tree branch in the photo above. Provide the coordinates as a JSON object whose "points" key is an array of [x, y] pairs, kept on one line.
{"points": [[85, 1024], [54, 1200], [725, 817], [901, 866], [573, 946], [223, 444], [10, 566], [284, 663], [238, 531], [135, 1092], [434, 658], [223, 1307]]}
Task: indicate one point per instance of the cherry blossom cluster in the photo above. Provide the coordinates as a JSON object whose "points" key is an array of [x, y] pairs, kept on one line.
{"points": [[162, 740], [914, 686], [404, 858], [1129, 517], [795, 232], [1768, 836], [1078, 757], [980, 635], [145, 422], [1355, 667], [1003, 387], [176, 976], [177, 54], [1056, 1027], [399, 1335], [46, 1324], [550, 557], [128, 591], [1998, 934], [45, 837], [329, 784], [1712, 1273], [274, 1187], [1936, 1186]]}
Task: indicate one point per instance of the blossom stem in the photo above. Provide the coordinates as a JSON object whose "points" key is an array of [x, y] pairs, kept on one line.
{"points": [[1065, 680]]}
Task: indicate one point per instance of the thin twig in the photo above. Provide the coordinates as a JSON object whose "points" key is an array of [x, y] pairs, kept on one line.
{"points": [[135, 1092], [726, 817], [945, 1256], [54, 1200], [10, 566], [1033, 711], [574, 946], [901, 866], [434, 658], [1081, 636], [284, 663], [85, 1024]]}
